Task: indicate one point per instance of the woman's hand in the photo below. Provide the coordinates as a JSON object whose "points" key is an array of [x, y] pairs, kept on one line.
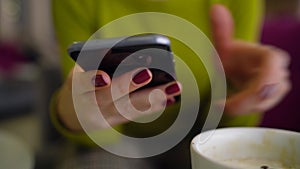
{"points": [[258, 73], [97, 93]]}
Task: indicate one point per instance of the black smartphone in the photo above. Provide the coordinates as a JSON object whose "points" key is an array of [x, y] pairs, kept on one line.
{"points": [[116, 56]]}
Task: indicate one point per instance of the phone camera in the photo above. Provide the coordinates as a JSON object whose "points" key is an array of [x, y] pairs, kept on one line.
{"points": [[145, 60]]}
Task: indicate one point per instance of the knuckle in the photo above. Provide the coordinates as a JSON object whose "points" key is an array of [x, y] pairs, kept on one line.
{"points": [[287, 86], [277, 53]]}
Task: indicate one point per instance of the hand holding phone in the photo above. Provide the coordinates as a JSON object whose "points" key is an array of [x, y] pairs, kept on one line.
{"points": [[117, 56], [117, 59]]}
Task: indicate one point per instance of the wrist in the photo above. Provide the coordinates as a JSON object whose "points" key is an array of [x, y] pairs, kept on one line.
{"points": [[66, 114]]}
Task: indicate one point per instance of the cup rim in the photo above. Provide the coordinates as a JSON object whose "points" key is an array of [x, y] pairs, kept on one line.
{"points": [[194, 144]]}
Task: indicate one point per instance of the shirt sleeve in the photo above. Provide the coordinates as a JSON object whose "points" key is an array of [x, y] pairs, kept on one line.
{"points": [[73, 21], [248, 17], [104, 136]]}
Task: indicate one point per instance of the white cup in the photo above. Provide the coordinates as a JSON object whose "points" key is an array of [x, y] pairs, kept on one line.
{"points": [[246, 148]]}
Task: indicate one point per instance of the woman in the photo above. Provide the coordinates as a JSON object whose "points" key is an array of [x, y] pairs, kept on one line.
{"points": [[257, 73]]}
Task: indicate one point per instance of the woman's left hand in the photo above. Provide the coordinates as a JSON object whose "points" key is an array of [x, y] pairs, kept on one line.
{"points": [[258, 73]]}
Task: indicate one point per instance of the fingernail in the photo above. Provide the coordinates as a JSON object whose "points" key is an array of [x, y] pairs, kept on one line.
{"points": [[170, 101], [141, 77], [99, 81], [267, 91], [174, 88]]}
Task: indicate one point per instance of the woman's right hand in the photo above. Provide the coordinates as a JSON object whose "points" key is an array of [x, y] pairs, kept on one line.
{"points": [[95, 91]]}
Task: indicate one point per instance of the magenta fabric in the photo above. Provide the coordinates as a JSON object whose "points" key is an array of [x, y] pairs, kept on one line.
{"points": [[284, 32], [10, 56]]}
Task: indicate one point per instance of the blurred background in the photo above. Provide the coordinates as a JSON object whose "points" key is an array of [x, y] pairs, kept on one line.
{"points": [[281, 28], [30, 73]]}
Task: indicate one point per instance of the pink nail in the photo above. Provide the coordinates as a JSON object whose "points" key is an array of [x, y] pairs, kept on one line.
{"points": [[141, 77], [174, 88], [170, 101], [267, 91], [99, 81]]}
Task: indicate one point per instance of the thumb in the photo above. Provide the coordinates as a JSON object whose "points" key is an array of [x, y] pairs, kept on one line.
{"points": [[222, 29]]}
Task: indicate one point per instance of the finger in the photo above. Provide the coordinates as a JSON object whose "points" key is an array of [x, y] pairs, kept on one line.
{"points": [[140, 103], [129, 82], [148, 101], [270, 98], [274, 68], [162, 95], [285, 56], [222, 29], [252, 60], [84, 82], [125, 84], [240, 103], [255, 99]]}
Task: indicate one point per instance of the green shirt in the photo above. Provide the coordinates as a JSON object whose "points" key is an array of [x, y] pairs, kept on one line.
{"points": [[77, 20]]}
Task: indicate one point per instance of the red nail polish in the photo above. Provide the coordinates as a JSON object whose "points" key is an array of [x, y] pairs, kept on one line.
{"points": [[174, 88], [141, 77], [267, 91], [98, 81], [170, 101]]}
